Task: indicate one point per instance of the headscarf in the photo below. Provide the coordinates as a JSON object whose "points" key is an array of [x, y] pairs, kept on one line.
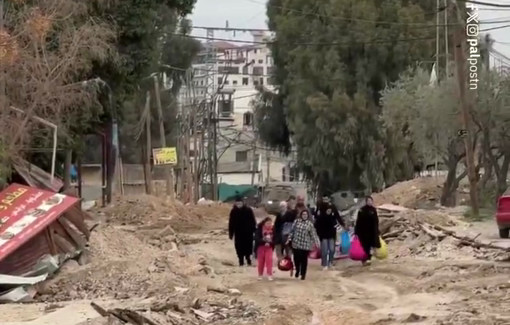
{"points": [[283, 206]]}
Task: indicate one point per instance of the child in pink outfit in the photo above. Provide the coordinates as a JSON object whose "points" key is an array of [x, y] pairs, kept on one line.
{"points": [[265, 247]]}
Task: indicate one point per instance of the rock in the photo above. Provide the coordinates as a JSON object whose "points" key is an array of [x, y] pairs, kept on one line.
{"points": [[227, 263], [196, 304], [73, 294], [217, 289], [234, 292], [70, 265], [414, 318], [181, 290]]}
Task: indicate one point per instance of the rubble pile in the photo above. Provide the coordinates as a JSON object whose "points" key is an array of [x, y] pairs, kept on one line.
{"points": [[154, 211], [425, 233], [120, 266], [180, 307], [415, 193]]}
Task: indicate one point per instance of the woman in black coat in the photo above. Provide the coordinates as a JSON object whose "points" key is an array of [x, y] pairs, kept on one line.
{"points": [[367, 228]]}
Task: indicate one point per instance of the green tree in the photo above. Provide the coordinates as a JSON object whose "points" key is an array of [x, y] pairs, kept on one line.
{"points": [[332, 59]]}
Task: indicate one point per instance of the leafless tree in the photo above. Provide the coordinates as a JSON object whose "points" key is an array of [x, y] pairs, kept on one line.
{"points": [[47, 48]]}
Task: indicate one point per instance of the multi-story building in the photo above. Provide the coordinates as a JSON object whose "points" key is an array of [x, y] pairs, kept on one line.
{"points": [[233, 80]]}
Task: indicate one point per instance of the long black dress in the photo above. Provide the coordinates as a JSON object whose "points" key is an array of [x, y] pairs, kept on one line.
{"points": [[241, 228], [367, 229]]}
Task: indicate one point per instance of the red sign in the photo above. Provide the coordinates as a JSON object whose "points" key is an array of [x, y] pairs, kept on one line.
{"points": [[26, 211]]}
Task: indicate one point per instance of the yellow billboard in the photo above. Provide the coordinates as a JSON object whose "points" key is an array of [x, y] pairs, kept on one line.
{"points": [[165, 156]]}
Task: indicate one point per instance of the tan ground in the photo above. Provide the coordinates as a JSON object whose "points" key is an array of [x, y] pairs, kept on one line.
{"points": [[138, 262]]}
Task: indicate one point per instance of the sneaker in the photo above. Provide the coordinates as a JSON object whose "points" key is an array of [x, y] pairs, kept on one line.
{"points": [[296, 275], [325, 268], [260, 278], [270, 278]]}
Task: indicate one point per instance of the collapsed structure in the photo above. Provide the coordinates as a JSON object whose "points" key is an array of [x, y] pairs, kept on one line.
{"points": [[39, 230]]}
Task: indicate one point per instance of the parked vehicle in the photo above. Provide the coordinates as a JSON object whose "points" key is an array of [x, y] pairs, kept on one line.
{"points": [[503, 215], [272, 195]]}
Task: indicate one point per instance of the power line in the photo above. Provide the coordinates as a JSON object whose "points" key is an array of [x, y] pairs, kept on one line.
{"points": [[313, 44], [494, 28], [488, 4], [505, 19]]}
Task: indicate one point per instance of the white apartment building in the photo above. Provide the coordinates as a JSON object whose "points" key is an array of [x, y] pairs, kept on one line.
{"points": [[238, 71]]}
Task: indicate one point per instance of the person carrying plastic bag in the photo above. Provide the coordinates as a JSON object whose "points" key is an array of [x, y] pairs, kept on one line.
{"points": [[302, 239], [325, 224], [367, 229]]}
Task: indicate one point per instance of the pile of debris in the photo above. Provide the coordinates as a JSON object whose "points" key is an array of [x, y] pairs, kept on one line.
{"points": [[425, 233], [217, 306], [154, 211], [120, 266], [422, 192]]}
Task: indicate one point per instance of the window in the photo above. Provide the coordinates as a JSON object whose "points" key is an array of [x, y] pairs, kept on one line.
{"points": [[241, 156], [270, 71], [269, 60], [247, 119], [245, 82], [220, 80], [269, 81], [255, 51], [261, 61], [226, 82], [229, 70], [234, 82], [255, 82], [258, 71], [261, 81], [245, 69], [201, 82]]}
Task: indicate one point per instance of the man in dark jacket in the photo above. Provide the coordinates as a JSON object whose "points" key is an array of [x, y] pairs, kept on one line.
{"points": [[241, 228], [325, 224]]}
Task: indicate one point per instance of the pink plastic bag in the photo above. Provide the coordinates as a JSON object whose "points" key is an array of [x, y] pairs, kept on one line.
{"points": [[315, 254], [357, 253]]}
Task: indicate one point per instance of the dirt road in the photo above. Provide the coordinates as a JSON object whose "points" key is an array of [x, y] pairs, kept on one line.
{"points": [[428, 289], [396, 291]]}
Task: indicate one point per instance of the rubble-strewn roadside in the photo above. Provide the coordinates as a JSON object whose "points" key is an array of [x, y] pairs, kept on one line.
{"points": [[427, 233], [146, 269]]}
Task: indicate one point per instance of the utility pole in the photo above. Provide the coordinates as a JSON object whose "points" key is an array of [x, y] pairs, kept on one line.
{"points": [[438, 48], [180, 155], [148, 144], [446, 42], [215, 151], [268, 162], [195, 153], [168, 168], [254, 161], [466, 99], [438, 30]]}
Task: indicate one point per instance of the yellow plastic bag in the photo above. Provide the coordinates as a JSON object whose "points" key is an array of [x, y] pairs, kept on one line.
{"points": [[381, 253]]}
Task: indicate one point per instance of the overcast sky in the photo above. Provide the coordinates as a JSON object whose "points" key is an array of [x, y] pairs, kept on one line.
{"points": [[252, 14]]}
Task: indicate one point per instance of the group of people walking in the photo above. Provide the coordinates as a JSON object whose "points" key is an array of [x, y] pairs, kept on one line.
{"points": [[296, 232]]}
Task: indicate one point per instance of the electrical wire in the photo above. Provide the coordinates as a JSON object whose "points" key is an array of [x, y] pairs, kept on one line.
{"points": [[494, 28], [483, 3], [316, 44]]}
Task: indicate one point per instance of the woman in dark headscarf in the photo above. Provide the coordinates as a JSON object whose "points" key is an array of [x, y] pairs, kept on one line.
{"points": [[367, 228]]}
